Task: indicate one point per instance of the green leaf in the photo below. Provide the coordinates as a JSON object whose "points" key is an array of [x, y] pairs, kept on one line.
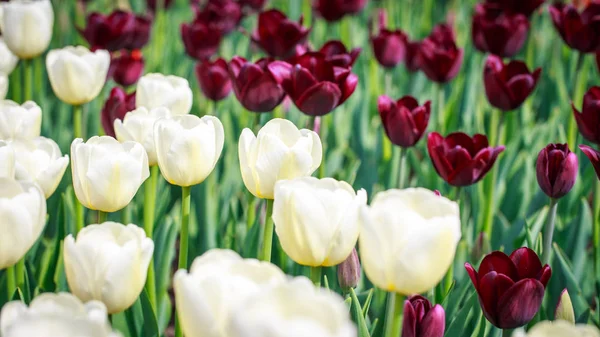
{"points": [[579, 302], [463, 318], [367, 304], [149, 326], [357, 314]]}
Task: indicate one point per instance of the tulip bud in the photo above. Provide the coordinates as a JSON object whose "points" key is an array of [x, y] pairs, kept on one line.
{"points": [[593, 156], [8, 60], [277, 35], [221, 15], [20, 121], [111, 32], [389, 47], [498, 32], [23, 209], [421, 320], [439, 57], [559, 328], [564, 308], [27, 27], [556, 169], [580, 31], [213, 78], [299, 154], [157, 90], [108, 262], [507, 86], [76, 74], [107, 174], [116, 106], [404, 121], [336, 53], [200, 40], [349, 272], [127, 68], [588, 120], [334, 10]]}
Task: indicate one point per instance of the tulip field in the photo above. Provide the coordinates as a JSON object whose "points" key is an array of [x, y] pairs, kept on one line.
{"points": [[299, 168]]}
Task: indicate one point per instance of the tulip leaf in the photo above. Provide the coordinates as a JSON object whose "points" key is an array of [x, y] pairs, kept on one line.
{"points": [[47, 277], [18, 295], [463, 318], [357, 315], [564, 309], [374, 326], [150, 326], [579, 302], [367, 304]]}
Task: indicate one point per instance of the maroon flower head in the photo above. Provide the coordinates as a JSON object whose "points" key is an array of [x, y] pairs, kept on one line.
{"points": [[404, 121], [333, 10], [594, 157], [111, 32], [411, 60], [579, 31], [221, 15], [510, 288], [253, 4], [421, 319], [507, 86], [200, 40], [588, 120], [127, 68], [525, 7], [439, 57], [116, 106], [336, 53], [461, 160], [277, 35], [152, 4], [213, 78], [556, 170], [389, 46], [498, 32], [140, 35]]}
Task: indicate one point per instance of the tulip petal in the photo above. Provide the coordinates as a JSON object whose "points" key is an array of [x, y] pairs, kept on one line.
{"points": [[409, 321], [520, 304], [527, 262], [499, 262], [434, 323]]}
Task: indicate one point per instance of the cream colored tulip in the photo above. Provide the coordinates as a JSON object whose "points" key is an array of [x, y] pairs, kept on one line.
{"points": [[3, 86], [76, 74], [22, 219], [158, 90], [106, 173], [408, 239], [293, 309], [279, 151], [108, 263], [27, 26], [559, 328], [20, 121], [7, 160], [217, 283], [8, 60], [316, 220], [188, 147], [55, 315], [138, 126]]}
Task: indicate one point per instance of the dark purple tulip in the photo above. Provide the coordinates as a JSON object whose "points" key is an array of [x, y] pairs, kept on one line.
{"points": [[389, 46], [333, 10], [200, 41], [579, 31], [594, 157], [510, 288], [588, 120], [439, 57], [498, 32], [221, 15], [525, 7], [254, 4], [461, 160], [349, 271], [336, 53], [422, 320], [152, 4], [404, 121], [127, 68], [140, 35], [507, 86], [556, 170], [214, 79], [111, 32], [116, 106], [277, 35], [411, 60]]}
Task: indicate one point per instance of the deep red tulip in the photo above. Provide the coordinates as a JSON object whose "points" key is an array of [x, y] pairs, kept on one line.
{"points": [[556, 170], [510, 288], [152, 4], [337, 54], [214, 79], [140, 34], [254, 4], [127, 68], [411, 60], [111, 32], [439, 57], [389, 46], [525, 7], [256, 85], [461, 160], [588, 120], [200, 41], [594, 157], [507, 86], [333, 10], [221, 15], [404, 121], [116, 106], [579, 31], [422, 320], [277, 35], [498, 32], [316, 86]]}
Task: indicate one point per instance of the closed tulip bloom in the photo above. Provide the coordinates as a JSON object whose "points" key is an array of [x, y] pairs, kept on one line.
{"points": [[277, 35], [349, 271], [559, 328], [588, 120], [138, 126], [157, 90], [52, 314], [334, 10], [316, 220], [279, 151], [507, 86], [8, 60], [76, 74], [389, 46], [421, 319], [20, 121], [22, 219], [498, 32], [336, 53], [556, 169], [411, 60], [405, 120], [439, 57], [108, 262], [188, 147], [580, 31], [111, 32], [525, 7], [461, 160], [594, 157], [106, 173], [7, 160], [217, 283], [200, 40], [213, 78], [127, 68], [116, 106], [408, 239], [222, 15], [27, 27], [510, 288]]}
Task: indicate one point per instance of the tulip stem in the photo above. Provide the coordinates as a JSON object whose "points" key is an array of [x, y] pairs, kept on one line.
{"points": [[149, 206], [496, 133], [572, 126], [185, 222], [27, 87], [440, 112], [549, 231], [315, 275], [596, 235], [402, 167], [102, 217], [256, 124], [393, 315], [507, 332], [268, 234], [11, 282]]}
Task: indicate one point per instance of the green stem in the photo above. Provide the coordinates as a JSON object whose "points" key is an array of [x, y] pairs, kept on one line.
{"points": [[496, 134], [102, 216], [268, 234], [27, 85], [79, 216], [549, 231], [402, 167], [11, 282], [440, 112], [149, 206], [323, 135], [130, 318], [507, 332], [185, 222], [572, 126], [315, 275], [596, 235], [393, 315], [256, 123], [251, 213], [77, 121]]}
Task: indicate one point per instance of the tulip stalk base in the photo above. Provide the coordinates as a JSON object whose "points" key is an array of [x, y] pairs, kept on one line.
{"points": [[393, 315], [572, 126], [402, 167], [507, 332], [440, 113], [315, 275], [185, 224], [496, 123], [102, 216], [267, 244], [11, 282], [549, 231], [27, 84], [149, 205]]}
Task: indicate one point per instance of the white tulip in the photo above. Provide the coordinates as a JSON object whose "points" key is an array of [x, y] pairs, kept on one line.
{"points": [[20, 121], [3, 86], [138, 125], [218, 282], [158, 90], [22, 219], [7, 160], [408, 239], [188, 147], [279, 151], [55, 315], [559, 328], [293, 309], [109, 263], [8, 60], [106, 173], [76, 74], [27, 26], [316, 220]]}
